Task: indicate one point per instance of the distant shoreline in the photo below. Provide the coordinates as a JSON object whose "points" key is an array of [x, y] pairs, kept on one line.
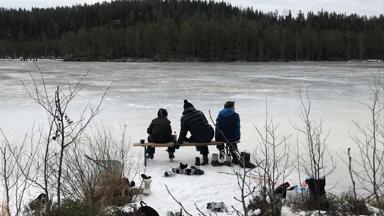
{"points": [[192, 61]]}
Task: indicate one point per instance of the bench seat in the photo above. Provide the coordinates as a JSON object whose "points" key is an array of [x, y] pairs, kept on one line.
{"points": [[171, 144]]}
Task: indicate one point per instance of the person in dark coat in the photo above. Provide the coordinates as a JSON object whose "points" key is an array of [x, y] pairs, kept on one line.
{"points": [[195, 122], [228, 130], [160, 131]]}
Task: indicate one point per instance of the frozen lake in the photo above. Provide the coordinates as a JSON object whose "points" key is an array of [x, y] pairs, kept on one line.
{"points": [[140, 89]]}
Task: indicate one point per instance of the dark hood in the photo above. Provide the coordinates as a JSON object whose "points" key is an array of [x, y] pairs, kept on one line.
{"points": [[226, 112]]}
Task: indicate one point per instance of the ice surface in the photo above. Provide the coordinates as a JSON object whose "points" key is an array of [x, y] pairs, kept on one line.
{"points": [[139, 89]]}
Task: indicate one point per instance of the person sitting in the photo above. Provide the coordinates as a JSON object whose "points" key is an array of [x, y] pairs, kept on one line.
{"points": [[160, 131], [228, 130], [195, 122]]}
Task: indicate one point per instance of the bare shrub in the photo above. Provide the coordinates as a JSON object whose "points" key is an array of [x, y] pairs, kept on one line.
{"points": [[272, 157], [315, 158], [369, 141], [62, 132], [99, 168], [11, 175]]}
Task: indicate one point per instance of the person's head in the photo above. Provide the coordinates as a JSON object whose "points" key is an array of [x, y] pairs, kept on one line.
{"points": [[229, 104], [162, 113], [187, 104]]}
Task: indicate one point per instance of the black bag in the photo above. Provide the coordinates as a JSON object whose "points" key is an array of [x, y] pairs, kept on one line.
{"points": [[145, 210]]}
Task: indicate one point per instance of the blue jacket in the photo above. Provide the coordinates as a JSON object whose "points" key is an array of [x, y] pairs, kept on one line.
{"points": [[228, 122]]}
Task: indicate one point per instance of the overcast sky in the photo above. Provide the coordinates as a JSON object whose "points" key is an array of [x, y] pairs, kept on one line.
{"points": [[367, 7]]}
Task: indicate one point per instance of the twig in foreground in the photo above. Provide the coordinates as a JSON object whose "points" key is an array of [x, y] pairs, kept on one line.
{"points": [[181, 205]]}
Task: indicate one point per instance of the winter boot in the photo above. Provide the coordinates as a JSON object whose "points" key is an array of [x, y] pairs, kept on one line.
{"points": [[146, 184], [221, 156], [171, 156], [235, 158], [205, 160], [180, 169], [197, 161], [215, 161], [228, 161], [169, 173], [245, 160], [149, 156], [196, 171]]}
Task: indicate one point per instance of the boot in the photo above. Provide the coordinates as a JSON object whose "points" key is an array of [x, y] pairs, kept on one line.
{"points": [[146, 184], [235, 158], [228, 161], [215, 161], [197, 161], [205, 160], [181, 169], [169, 172], [245, 160], [196, 171], [222, 156], [171, 156], [150, 156]]}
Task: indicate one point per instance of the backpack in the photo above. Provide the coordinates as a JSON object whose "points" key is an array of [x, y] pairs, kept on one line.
{"points": [[145, 210]]}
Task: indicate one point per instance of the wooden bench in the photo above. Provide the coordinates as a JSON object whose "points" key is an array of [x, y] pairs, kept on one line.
{"points": [[171, 144]]}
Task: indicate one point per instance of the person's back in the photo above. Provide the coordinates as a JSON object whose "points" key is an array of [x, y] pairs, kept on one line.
{"points": [[227, 126], [160, 131], [228, 130], [195, 122]]}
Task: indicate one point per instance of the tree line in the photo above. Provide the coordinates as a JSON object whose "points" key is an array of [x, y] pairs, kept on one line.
{"points": [[186, 30]]}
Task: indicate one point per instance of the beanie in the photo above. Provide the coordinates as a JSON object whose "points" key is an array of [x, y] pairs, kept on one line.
{"points": [[187, 104]]}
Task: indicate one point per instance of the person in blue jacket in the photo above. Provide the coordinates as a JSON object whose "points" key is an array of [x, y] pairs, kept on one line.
{"points": [[228, 130]]}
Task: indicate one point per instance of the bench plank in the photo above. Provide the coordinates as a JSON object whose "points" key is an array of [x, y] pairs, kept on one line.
{"points": [[171, 144]]}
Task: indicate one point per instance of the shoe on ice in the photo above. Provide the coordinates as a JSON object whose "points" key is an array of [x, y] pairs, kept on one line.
{"points": [[228, 161], [245, 160], [146, 186], [149, 156], [188, 171], [169, 172], [235, 158], [183, 166], [215, 160], [171, 155], [205, 160], [196, 171], [222, 156], [180, 169], [197, 161]]}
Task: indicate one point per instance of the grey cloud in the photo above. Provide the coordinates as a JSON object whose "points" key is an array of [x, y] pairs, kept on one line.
{"points": [[367, 7]]}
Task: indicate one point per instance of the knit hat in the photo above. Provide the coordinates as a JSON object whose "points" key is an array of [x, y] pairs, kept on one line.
{"points": [[187, 104], [162, 113], [229, 104]]}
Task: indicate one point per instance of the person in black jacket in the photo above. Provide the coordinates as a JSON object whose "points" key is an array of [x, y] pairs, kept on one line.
{"points": [[228, 130], [195, 122], [160, 131]]}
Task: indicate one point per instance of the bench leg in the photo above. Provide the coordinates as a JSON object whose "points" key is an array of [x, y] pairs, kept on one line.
{"points": [[145, 158]]}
